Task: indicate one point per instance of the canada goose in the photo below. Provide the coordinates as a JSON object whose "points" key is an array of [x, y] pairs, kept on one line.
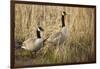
{"points": [[34, 44], [59, 37]]}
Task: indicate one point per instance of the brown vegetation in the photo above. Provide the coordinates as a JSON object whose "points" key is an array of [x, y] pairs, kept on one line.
{"points": [[79, 46]]}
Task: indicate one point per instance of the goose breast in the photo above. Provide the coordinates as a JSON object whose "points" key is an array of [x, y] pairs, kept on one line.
{"points": [[33, 44]]}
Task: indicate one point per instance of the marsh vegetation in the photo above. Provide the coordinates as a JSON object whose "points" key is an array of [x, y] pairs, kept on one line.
{"points": [[79, 47]]}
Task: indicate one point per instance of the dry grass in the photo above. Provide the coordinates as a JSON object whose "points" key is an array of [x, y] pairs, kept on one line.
{"points": [[79, 46]]}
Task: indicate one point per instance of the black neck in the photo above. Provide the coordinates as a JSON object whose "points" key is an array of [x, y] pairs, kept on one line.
{"points": [[63, 21], [38, 34]]}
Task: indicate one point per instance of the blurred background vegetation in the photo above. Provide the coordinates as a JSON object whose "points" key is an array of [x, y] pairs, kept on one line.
{"points": [[79, 46]]}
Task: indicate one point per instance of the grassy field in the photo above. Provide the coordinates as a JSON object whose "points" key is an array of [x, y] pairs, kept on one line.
{"points": [[79, 47]]}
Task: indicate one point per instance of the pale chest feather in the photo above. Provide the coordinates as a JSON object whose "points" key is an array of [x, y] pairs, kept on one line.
{"points": [[64, 31], [38, 42]]}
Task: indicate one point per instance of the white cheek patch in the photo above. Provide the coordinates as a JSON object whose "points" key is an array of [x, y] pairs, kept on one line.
{"points": [[39, 29], [62, 13]]}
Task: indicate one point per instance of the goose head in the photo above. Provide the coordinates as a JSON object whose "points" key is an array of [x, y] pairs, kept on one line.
{"points": [[40, 29], [64, 13], [39, 32]]}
